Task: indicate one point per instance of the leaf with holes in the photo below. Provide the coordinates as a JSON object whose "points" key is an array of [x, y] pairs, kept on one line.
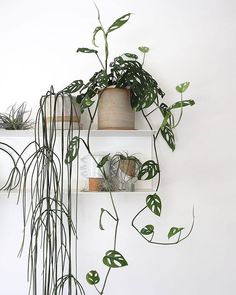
{"points": [[103, 161], [148, 170], [182, 87], [165, 120], [72, 150], [86, 50], [143, 49], [183, 103], [73, 87], [144, 90], [174, 230], [147, 230], [97, 29], [92, 277], [114, 259], [168, 135], [164, 109], [154, 204], [131, 55], [86, 103], [118, 23]]}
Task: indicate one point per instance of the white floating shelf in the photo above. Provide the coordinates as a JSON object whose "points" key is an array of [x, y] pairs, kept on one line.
{"points": [[16, 133], [139, 192], [118, 133], [83, 133]]}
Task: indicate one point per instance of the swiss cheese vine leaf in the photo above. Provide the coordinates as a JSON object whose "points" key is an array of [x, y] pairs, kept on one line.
{"points": [[174, 230], [183, 103], [118, 23], [154, 204], [92, 277], [86, 102], [72, 150], [103, 161], [182, 87], [147, 230], [148, 170], [114, 259], [168, 135], [73, 87], [97, 29], [143, 49], [86, 50]]}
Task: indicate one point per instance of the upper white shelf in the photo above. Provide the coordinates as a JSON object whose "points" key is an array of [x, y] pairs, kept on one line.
{"points": [[83, 133]]}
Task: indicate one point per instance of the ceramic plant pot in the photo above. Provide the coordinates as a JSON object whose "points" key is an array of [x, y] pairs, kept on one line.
{"points": [[114, 110], [63, 111]]}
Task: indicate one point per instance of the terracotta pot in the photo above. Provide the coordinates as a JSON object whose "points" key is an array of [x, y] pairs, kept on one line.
{"points": [[114, 110], [62, 109], [128, 167], [95, 184]]}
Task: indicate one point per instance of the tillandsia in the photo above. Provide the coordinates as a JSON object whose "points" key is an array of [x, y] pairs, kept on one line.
{"points": [[18, 118]]}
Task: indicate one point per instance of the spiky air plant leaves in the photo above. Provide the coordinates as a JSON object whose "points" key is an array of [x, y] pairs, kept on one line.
{"points": [[18, 118]]}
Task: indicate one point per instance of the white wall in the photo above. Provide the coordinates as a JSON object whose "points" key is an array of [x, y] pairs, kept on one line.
{"points": [[189, 40]]}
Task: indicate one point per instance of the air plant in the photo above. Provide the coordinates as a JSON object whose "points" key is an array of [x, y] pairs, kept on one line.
{"points": [[18, 118], [124, 169]]}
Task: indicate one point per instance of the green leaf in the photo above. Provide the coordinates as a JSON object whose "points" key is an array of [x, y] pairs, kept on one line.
{"points": [[182, 87], [97, 29], [164, 109], [114, 259], [103, 161], [144, 88], [168, 135], [147, 230], [86, 50], [72, 150], [131, 55], [183, 103], [118, 23], [73, 87], [149, 169], [154, 204], [174, 230], [92, 277], [165, 120], [143, 49], [86, 103]]}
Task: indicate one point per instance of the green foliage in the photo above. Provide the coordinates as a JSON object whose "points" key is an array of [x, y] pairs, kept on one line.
{"points": [[148, 170], [118, 23], [72, 150], [86, 50], [173, 231], [15, 119], [147, 230], [114, 259], [182, 87], [153, 202], [92, 277], [75, 86], [183, 103], [143, 49], [168, 135], [103, 161]]}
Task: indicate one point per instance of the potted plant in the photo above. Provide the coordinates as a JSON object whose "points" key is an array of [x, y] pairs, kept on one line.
{"points": [[124, 169], [122, 86], [15, 119], [49, 205]]}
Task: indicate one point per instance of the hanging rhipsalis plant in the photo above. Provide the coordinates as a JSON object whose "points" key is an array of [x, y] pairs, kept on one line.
{"points": [[48, 179]]}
